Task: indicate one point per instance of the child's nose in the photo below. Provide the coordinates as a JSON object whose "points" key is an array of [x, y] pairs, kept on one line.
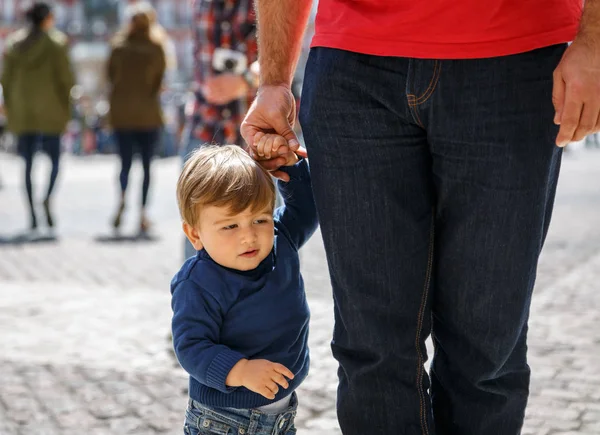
{"points": [[249, 235]]}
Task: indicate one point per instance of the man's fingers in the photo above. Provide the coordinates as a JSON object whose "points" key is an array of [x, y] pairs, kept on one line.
{"points": [[587, 122], [301, 151], [597, 126], [284, 128], [558, 96], [258, 136], [272, 164], [570, 115], [279, 368]]}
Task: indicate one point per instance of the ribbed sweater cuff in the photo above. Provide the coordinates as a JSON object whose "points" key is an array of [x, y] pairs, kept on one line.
{"points": [[219, 369], [298, 171]]}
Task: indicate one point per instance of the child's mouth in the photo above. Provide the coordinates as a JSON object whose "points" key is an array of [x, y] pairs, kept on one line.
{"points": [[251, 253]]}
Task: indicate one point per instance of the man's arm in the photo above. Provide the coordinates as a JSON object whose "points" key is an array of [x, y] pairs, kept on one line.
{"points": [[281, 24], [576, 93], [590, 20]]}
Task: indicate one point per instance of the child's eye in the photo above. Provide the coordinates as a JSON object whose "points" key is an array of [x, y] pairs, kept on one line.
{"points": [[261, 221], [230, 227]]}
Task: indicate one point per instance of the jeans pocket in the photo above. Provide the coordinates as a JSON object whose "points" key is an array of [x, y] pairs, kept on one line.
{"points": [[212, 425]]}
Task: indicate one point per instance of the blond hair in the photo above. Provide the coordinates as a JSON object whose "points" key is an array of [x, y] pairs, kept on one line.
{"points": [[223, 176], [139, 21]]}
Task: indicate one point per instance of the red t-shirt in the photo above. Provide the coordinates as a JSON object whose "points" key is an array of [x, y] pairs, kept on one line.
{"points": [[445, 29]]}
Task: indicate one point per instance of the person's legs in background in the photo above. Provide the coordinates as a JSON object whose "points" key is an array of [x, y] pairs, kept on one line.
{"points": [[147, 141], [27, 146], [125, 143], [51, 146]]}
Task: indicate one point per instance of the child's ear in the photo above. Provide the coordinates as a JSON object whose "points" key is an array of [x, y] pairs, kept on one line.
{"points": [[193, 236]]}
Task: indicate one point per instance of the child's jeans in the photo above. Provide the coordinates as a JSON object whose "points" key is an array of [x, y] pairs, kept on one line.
{"points": [[205, 420]]}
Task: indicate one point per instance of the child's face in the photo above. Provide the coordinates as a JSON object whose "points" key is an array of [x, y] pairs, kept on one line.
{"points": [[238, 241]]}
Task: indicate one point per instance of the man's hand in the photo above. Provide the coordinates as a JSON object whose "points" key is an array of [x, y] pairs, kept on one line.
{"points": [[259, 375], [224, 88], [576, 91], [273, 111]]}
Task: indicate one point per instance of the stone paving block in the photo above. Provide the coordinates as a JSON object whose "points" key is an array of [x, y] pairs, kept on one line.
{"points": [[128, 425]]}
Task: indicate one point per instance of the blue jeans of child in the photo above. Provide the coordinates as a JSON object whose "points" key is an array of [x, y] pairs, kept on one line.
{"points": [[204, 420], [434, 182]]}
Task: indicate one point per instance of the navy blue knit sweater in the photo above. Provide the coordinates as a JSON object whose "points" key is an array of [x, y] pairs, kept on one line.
{"points": [[222, 315]]}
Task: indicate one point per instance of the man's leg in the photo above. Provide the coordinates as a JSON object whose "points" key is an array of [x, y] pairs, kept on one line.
{"points": [[495, 168], [371, 175]]}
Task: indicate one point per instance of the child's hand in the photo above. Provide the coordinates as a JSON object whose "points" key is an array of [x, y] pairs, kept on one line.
{"points": [[270, 146], [259, 375]]}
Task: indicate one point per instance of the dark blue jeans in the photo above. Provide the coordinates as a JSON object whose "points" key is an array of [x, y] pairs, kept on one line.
{"points": [[27, 145], [434, 181], [144, 141]]}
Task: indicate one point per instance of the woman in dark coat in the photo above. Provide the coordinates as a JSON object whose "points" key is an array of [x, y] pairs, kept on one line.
{"points": [[136, 69]]}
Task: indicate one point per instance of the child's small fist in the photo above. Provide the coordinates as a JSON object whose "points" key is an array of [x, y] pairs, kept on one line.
{"points": [[270, 146], [262, 376]]}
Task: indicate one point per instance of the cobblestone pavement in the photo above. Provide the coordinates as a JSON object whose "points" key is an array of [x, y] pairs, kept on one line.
{"points": [[84, 315]]}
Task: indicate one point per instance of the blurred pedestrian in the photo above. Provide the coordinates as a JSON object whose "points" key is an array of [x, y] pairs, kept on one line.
{"points": [[225, 74], [37, 80], [136, 69]]}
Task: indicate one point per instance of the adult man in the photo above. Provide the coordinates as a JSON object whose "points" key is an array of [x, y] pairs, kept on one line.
{"points": [[429, 127]]}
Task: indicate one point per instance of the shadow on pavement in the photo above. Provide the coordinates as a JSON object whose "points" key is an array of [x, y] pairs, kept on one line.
{"points": [[121, 238], [28, 238]]}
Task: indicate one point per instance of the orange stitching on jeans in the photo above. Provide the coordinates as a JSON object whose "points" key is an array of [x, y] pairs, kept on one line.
{"points": [[437, 78], [431, 87], [436, 69], [423, 98], [420, 362]]}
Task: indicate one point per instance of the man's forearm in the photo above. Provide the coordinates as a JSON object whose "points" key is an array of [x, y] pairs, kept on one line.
{"points": [[281, 24], [589, 29]]}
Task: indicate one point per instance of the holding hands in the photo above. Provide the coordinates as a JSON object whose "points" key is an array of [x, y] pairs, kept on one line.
{"points": [[272, 151]]}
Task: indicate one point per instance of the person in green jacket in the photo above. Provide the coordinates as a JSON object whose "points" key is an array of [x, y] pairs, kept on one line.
{"points": [[136, 69], [37, 79]]}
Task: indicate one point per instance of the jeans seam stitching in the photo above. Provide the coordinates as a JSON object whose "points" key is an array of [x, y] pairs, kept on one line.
{"points": [[413, 100], [420, 361]]}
